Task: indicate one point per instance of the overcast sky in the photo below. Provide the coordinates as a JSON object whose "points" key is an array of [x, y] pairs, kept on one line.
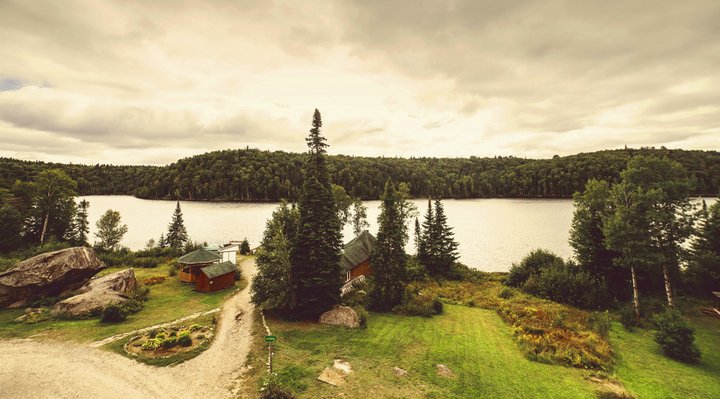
{"points": [[148, 82]]}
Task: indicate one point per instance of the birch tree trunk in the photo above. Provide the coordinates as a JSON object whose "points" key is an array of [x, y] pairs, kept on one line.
{"points": [[636, 293], [668, 287], [44, 228]]}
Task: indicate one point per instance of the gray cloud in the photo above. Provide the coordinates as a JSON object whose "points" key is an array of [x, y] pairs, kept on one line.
{"points": [[115, 81]]}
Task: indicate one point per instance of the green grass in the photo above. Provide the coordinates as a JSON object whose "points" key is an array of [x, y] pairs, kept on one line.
{"points": [[118, 347], [647, 373], [475, 343], [168, 301]]}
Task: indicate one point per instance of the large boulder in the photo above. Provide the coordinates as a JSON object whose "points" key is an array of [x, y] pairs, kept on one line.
{"points": [[341, 316], [98, 293], [48, 274]]}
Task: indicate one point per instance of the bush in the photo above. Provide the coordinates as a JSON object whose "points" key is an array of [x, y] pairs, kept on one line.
{"points": [[173, 333], [144, 262], [676, 337], [567, 283], [113, 314], [600, 322], [363, 315], [273, 390], [153, 280], [160, 336], [416, 303], [627, 317], [151, 344], [461, 272], [530, 265], [245, 247], [506, 293], [437, 306], [153, 334], [184, 338], [172, 271], [169, 342], [195, 327]]}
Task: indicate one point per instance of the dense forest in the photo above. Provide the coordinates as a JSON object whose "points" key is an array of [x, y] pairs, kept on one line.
{"points": [[255, 175]]}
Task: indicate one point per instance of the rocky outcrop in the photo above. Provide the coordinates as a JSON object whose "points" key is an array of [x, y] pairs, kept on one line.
{"points": [[98, 293], [341, 316], [48, 274]]}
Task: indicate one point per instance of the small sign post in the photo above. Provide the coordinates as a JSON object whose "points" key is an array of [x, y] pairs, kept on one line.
{"points": [[270, 339]]}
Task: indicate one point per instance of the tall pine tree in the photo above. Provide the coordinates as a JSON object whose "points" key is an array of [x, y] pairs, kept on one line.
{"points": [[315, 257], [388, 258], [81, 226], [177, 235], [438, 249]]}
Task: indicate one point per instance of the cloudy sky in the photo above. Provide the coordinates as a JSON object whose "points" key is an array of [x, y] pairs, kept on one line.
{"points": [[148, 82]]}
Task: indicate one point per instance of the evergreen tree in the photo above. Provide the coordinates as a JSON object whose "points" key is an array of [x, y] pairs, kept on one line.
{"points": [[438, 249], [244, 247], [162, 242], [703, 270], [10, 223], [177, 236], [81, 226], [388, 258], [109, 230], [53, 205], [418, 237], [272, 286], [315, 255]]}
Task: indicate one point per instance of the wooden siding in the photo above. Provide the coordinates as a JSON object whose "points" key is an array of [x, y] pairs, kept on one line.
{"points": [[203, 284], [361, 269]]}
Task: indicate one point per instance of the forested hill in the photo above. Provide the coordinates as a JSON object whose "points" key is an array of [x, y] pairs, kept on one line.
{"points": [[254, 175]]}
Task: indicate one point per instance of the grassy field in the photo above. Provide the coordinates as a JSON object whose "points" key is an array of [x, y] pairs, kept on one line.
{"points": [[475, 343], [647, 373], [168, 301]]}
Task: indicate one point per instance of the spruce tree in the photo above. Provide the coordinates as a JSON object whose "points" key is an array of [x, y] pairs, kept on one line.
{"points": [[315, 258], [177, 235], [447, 253], [388, 259], [81, 226]]}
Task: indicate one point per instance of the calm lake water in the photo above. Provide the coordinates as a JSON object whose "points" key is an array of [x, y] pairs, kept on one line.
{"points": [[492, 233]]}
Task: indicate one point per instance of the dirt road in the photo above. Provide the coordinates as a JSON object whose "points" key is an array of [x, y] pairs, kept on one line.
{"points": [[33, 369]]}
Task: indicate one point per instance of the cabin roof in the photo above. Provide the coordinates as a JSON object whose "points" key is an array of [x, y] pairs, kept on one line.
{"points": [[218, 269], [230, 248], [358, 250], [199, 256]]}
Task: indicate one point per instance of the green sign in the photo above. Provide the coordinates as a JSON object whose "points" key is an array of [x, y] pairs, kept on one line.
{"points": [[270, 338]]}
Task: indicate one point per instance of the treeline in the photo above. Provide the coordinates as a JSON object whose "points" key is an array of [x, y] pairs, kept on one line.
{"points": [[254, 175]]}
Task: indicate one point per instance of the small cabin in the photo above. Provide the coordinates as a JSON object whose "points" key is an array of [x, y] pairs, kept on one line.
{"points": [[229, 253], [190, 264], [355, 259], [216, 277]]}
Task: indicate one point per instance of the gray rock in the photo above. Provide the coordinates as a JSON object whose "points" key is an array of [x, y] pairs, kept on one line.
{"points": [[332, 376], [443, 370], [48, 274], [399, 372], [341, 316], [98, 293]]}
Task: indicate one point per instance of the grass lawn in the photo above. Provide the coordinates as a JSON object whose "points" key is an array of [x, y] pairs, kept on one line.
{"points": [[647, 373], [168, 301], [475, 343]]}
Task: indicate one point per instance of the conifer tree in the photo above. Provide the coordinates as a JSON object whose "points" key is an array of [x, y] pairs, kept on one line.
{"points": [[177, 235], [388, 258], [81, 226], [447, 246], [438, 249], [315, 257]]}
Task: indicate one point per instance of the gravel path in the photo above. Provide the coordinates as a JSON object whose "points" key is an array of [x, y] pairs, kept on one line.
{"points": [[62, 370]]}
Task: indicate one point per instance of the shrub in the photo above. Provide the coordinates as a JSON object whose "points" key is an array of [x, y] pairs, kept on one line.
{"points": [[151, 344], [415, 271], [153, 280], [627, 317], [363, 314], [531, 264], [437, 306], [113, 314], [273, 390], [172, 271], [173, 333], [160, 336], [600, 322], [195, 327], [141, 293], [169, 342], [184, 338], [461, 272], [145, 262], [568, 283], [506, 293], [676, 337], [244, 247], [416, 303], [153, 333]]}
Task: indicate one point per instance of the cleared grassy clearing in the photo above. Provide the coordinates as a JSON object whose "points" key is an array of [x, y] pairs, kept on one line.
{"points": [[474, 343], [647, 373], [168, 301]]}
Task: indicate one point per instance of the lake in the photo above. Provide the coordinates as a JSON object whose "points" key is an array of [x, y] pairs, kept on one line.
{"points": [[492, 233]]}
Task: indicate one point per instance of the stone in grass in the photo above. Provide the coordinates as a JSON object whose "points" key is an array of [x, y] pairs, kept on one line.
{"points": [[332, 376], [443, 370], [399, 372], [341, 316], [342, 366]]}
